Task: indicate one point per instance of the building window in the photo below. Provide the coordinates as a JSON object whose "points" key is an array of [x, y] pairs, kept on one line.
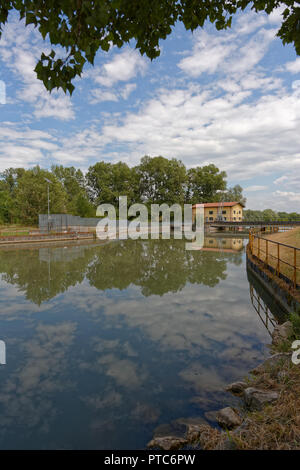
{"points": [[211, 212], [234, 212], [211, 241], [224, 218], [211, 218], [223, 212], [234, 218]]}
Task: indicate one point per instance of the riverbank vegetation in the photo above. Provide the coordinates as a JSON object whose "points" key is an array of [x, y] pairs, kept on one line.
{"points": [[24, 193], [277, 425], [268, 414]]}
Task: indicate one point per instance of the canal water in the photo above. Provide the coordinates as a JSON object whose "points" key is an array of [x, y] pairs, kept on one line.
{"points": [[107, 344]]}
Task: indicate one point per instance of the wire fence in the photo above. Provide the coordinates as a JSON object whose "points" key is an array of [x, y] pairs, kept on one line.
{"points": [[281, 259]]}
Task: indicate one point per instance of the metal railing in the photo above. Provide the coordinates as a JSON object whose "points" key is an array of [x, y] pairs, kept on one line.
{"points": [[281, 259]]}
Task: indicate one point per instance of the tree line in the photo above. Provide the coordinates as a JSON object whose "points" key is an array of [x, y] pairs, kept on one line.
{"points": [[23, 192], [268, 215]]}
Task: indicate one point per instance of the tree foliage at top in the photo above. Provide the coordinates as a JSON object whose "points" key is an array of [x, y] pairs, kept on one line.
{"points": [[82, 27]]}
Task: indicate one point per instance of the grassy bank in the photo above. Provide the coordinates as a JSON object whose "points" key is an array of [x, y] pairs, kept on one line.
{"points": [[14, 230], [277, 425]]}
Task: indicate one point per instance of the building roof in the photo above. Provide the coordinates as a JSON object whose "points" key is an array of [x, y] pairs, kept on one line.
{"points": [[218, 204]]}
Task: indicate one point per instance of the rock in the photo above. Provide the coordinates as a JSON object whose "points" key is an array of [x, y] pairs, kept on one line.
{"points": [[271, 362], [194, 432], [228, 418], [193, 427], [282, 333], [236, 388], [167, 443], [256, 398], [195, 420]]}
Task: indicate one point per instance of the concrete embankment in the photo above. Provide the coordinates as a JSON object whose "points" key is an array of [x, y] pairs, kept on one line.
{"points": [[45, 238]]}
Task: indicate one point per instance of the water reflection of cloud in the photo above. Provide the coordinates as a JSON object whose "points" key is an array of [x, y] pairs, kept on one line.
{"points": [[217, 323], [13, 304], [194, 318], [108, 398], [110, 359], [26, 396]]}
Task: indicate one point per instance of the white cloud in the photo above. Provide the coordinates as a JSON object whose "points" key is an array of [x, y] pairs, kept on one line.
{"points": [[226, 52], [289, 196], [20, 50], [255, 188], [99, 95], [122, 68], [281, 179], [294, 66], [208, 54], [24, 147], [127, 90], [243, 137]]}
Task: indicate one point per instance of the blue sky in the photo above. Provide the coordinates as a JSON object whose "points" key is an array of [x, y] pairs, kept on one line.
{"points": [[231, 98]]}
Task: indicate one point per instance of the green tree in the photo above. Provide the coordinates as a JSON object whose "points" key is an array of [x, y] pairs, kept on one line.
{"points": [[31, 197], [8, 184], [268, 215], [81, 27], [107, 181], [204, 183], [161, 180], [235, 194], [6, 206], [73, 182], [252, 215]]}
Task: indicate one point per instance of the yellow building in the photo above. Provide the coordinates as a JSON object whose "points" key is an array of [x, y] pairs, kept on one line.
{"points": [[227, 211]]}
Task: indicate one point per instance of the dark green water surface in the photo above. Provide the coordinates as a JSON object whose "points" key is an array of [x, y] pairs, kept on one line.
{"points": [[107, 343]]}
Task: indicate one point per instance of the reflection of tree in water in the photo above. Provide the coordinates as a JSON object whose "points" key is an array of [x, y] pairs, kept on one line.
{"points": [[157, 266], [41, 273]]}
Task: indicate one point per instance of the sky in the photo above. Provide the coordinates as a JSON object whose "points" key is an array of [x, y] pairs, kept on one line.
{"points": [[231, 98]]}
